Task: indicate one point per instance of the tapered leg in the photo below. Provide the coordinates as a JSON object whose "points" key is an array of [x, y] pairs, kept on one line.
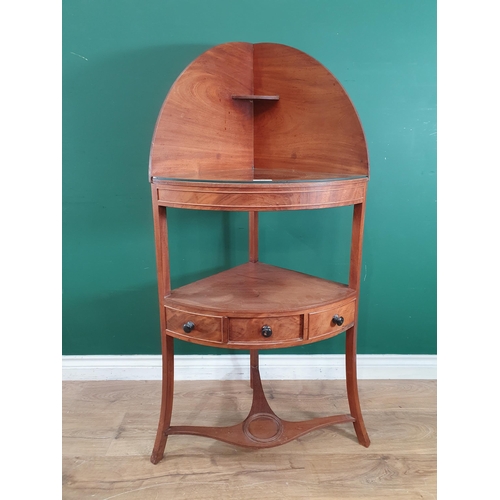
{"points": [[167, 342], [167, 397], [350, 351], [253, 256], [352, 387]]}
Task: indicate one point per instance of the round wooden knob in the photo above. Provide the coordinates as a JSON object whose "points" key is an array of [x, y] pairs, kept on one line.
{"points": [[188, 327], [338, 320], [267, 331]]}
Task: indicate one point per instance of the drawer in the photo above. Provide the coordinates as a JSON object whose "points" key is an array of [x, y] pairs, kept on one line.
{"points": [[249, 330], [207, 328], [321, 323]]}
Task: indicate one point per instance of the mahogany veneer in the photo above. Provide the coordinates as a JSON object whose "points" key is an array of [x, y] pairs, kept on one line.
{"points": [[259, 289], [261, 127]]}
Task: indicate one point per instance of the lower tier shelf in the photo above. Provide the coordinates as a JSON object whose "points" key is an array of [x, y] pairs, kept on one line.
{"points": [[258, 306]]}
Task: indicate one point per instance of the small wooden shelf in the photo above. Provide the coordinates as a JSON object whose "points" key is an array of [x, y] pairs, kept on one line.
{"points": [[256, 97]]}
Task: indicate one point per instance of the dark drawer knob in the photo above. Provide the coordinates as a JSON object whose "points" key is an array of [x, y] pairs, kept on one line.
{"points": [[188, 327], [267, 331], [338, 320]]}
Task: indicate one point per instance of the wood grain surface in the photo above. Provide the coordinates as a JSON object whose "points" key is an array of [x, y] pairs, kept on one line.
{"points": [[241, 108], [258, 290], [247, 330], [200, 127], [260, 196], [314, 125], [230, 308], [321, 324], [109, 428], [205, 327]]}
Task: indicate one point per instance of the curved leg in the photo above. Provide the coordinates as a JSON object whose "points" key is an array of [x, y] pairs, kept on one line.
{"points": [[167, 397], [352, 387]]}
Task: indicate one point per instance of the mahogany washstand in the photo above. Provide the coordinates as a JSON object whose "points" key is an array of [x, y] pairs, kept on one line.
{"points": [[257, 127]]}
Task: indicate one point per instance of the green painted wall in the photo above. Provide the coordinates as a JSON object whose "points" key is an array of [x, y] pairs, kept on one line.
{"points": [[120, 58]]}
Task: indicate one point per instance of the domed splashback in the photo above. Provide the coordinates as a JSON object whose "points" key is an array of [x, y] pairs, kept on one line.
{"points": [[244, 111]]}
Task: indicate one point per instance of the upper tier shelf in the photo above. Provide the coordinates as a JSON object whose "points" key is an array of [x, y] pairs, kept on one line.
{"points": [[260, 195], [259, 176]]}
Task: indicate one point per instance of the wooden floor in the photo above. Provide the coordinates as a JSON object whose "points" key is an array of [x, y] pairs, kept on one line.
{"points": [[109, 430]]}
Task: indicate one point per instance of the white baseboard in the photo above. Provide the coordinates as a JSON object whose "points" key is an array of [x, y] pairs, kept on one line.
{"points": [[236, 367]]}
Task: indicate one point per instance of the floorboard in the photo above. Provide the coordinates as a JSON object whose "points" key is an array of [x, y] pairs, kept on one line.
{"points": [[109, 430]]}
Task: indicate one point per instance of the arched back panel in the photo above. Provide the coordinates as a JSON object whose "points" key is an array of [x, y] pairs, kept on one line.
{"points": [[223, 119], [201, 132]]}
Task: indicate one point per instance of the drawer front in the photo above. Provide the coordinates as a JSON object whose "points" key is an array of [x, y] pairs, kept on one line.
{"points": [[321, 323], [249, 330], [207, 328]]}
